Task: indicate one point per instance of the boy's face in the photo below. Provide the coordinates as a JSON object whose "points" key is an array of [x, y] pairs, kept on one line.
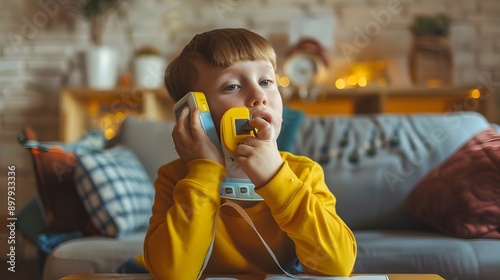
{"points": [[250, 84]]}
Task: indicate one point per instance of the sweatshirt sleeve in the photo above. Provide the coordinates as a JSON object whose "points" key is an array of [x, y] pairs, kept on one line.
{"points": [[304, 208], [181, 225]]}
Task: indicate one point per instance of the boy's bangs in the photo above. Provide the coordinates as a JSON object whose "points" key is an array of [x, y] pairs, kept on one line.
{"points": [[224, 49]]}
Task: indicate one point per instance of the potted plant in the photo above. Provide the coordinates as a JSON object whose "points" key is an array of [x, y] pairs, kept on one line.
{"points": [[101, 61], [149, 67], [430, 56]]}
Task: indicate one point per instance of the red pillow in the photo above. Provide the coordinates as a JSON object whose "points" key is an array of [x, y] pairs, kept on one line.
{"points": [[54, 170], [461, 196]]}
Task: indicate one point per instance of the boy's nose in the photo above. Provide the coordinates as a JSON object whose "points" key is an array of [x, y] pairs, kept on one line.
{"points": [[257, 96]]}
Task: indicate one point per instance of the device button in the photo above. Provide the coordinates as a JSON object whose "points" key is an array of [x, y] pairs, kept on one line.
{"points": [[243, 191], [229, 191]]}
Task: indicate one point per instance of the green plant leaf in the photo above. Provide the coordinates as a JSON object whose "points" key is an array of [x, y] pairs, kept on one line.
{"points": [[438, 25], [95, 8]]}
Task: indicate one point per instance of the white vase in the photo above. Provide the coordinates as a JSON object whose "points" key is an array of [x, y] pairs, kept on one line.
{"points": [[149, 71], [101, 67]]}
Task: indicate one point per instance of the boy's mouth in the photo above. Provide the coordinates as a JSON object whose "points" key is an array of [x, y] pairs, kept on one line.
{"points": [[265, 115]]}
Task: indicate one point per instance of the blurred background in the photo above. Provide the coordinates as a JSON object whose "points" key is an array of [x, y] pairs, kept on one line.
{"points": [[359, 46]]}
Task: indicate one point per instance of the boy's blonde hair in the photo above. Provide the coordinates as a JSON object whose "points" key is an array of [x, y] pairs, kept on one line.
{"points": [[219, 48]]}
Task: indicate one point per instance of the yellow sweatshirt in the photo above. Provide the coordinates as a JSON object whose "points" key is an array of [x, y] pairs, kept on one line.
{"points": [[297, 219]]}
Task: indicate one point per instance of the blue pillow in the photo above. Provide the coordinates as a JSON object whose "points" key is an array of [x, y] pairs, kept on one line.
{"points": [[115, 189], [292, 119]]}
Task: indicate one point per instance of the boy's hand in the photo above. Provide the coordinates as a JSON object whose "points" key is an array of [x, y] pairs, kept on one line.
{"points": [[190, 139], [258, 156]]}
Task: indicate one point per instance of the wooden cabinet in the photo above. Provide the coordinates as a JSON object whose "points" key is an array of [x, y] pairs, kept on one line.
{"points": [[399, 100], [82, 109]]}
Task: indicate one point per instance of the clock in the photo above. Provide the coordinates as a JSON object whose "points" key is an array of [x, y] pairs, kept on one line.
{"points": [[305, 64]]}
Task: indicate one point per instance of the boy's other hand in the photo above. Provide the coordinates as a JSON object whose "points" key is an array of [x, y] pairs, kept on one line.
{"points": [[264, 129], [258, 156], [190, 139]]}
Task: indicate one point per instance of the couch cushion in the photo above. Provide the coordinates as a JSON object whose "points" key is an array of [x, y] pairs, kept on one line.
{"points": [[92, 255], [54, 164], [115, 190], [372, 162], [421, 252], [151, 141], [461, 196]]}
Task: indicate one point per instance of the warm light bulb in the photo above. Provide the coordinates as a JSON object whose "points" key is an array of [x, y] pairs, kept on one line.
{"points": [[109, 133], [362, 82], [475, 93], [284, 81], [352, 80], [340, 83]]}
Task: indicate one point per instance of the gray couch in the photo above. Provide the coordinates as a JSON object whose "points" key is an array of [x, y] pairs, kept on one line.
{"points": [[358, 154]]}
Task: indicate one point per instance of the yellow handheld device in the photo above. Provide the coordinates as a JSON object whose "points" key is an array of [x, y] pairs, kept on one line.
{"points": [[196, 99], [234, 128]]}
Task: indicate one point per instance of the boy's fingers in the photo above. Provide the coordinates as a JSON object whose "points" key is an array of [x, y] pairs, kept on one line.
{"points": [[181, 120], [263, 128], [196, 128]]}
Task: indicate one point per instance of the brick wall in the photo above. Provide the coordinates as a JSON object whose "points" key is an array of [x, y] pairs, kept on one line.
{"points": [[41, 45]]}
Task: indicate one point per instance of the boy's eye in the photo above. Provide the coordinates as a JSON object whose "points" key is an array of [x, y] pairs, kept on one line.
{"points": [[265, 82], [231, 88]]}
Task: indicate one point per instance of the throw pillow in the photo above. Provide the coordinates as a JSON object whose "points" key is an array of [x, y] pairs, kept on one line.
{"points": [[54, 167], [292, 119], [461, 196], [116, 191]]}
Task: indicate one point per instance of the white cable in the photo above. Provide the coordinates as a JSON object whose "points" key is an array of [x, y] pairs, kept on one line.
{"points": [[247, 218]]}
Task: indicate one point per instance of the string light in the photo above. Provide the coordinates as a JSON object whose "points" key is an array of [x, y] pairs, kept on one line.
{"points": [[475, 93], [362, 82], [340, 83], [352, 80], [284, 82]]}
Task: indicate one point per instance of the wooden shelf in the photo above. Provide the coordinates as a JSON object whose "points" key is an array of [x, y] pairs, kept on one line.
{"points": [[398, 100], [80, 107]]}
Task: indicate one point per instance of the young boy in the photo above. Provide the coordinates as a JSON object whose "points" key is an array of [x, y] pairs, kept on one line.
{"points": [[297, 217]]}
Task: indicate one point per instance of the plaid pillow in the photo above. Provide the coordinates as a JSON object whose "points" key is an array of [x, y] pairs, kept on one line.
{"points": [[115, 189]]}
